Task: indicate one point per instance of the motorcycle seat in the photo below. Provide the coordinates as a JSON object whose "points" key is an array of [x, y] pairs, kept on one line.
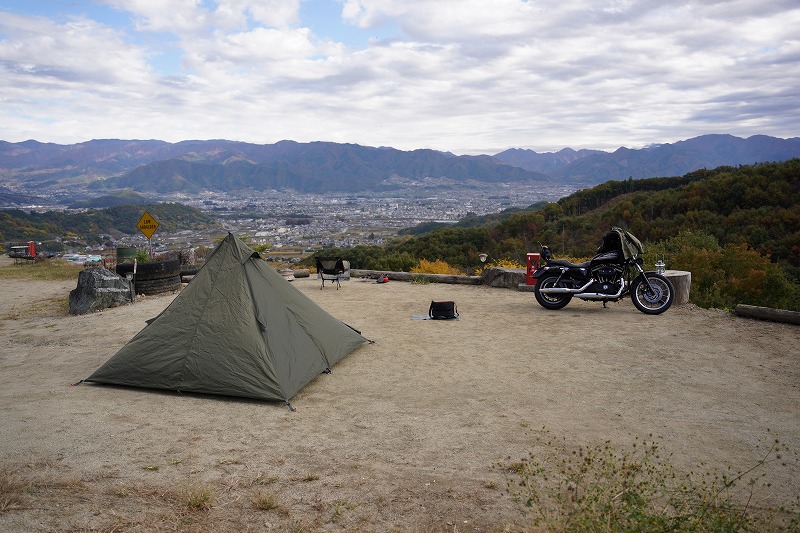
{"points": [[565, 263]]}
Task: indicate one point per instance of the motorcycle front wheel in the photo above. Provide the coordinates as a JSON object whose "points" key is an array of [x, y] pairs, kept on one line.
{"points": [[653, 294], [550, 301]]}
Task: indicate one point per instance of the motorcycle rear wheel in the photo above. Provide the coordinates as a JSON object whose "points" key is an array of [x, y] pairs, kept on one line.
{"points": [[653, 295], [550, 301]]}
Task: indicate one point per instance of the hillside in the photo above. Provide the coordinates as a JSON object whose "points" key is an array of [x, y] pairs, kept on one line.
{"points": [[736, 229], [118, 198], [18, 225], [758, 205]]}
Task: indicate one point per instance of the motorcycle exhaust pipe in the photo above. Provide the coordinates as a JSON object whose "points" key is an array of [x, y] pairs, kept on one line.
{"points": [[597, 295], [564, 290]]}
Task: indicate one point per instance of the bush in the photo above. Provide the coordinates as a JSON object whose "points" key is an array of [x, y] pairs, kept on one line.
{"points": [[435, 267], [724, 277], [600, 488], [396, 262]]}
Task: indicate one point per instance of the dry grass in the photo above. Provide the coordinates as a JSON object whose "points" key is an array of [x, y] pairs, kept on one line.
{"points": [[102, 503], [51, 270], [39, 309], [12, 490]]}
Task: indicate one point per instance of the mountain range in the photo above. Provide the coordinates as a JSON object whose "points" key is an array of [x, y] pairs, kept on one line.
{"points": [[150, 166]]}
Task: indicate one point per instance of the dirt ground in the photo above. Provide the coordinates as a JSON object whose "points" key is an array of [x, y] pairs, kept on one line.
{"points": [[404, 435]]}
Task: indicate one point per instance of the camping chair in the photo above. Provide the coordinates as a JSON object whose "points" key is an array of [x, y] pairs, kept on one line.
{"points": [[330, 269]]}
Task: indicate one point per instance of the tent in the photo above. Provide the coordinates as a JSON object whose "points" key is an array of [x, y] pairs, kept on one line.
{"points": [[238, 329]]}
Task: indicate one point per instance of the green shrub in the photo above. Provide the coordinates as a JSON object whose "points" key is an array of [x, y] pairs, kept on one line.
{"points": [[725, 276]]}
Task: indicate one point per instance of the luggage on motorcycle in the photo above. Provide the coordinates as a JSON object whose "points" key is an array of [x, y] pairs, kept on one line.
{"points": [[442, 310], [631, 246], [618, 242]]}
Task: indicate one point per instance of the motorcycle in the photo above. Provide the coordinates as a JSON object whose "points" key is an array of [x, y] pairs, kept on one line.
{"points": [[615, 272]]}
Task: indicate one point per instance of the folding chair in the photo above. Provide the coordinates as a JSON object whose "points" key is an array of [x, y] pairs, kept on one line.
{"points": [[330, 269]]}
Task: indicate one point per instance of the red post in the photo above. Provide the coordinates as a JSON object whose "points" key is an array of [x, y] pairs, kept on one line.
{"points": [[31, 249], [533, 266]]}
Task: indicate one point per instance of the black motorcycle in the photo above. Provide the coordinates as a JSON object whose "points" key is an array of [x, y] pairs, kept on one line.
{"points": [[615, 272]]}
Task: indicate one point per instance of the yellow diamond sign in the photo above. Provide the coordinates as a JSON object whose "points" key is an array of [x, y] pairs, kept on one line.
{"points": [[147, 225]]}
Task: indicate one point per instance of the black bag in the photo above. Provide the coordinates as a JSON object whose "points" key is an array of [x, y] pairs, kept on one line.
{"points": [[443, 310]]}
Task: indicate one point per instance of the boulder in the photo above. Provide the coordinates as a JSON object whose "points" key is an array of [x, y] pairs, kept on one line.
{"points": [[99, 288], [510, 278]]}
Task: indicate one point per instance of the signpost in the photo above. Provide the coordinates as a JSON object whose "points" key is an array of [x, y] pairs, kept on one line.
{"points": [[148, 225]]}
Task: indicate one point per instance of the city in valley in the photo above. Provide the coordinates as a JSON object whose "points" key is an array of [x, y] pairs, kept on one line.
{"points": [[291, 224]]}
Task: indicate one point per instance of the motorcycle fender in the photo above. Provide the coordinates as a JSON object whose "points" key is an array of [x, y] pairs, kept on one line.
{"points": [[543, 270]]}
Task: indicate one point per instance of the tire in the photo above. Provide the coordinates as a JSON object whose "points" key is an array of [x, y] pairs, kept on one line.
{"points": [[653, 298], [550, 301], [151, 271], [158, 286]]}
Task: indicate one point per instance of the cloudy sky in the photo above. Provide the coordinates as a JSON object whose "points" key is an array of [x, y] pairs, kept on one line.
{"points": [[467, 76]]}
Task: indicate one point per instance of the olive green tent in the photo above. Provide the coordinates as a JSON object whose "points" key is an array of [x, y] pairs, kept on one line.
{"points": [[238, 329]]}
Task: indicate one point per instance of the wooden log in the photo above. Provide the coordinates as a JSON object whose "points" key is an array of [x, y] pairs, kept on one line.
{"points": [[681, 282], [768, 313]]}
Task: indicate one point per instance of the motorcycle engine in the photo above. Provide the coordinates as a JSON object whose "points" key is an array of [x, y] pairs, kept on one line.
{"points": [[607, 274], [607, 279]]}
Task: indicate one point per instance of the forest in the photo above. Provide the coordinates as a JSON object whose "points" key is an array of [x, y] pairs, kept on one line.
{"points": [[736, 229]]}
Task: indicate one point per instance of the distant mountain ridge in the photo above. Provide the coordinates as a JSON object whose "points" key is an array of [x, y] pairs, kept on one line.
{"points": [[547, 162], [152, 166], [192, 166], [592, 167], [316, 167]]}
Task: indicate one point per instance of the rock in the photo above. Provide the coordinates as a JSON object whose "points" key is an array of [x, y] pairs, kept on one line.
{"points": [[510, 278], [98, 288]]}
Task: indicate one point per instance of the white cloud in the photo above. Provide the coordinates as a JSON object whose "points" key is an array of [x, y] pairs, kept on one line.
{"points": [[460, 75], [80, 53], [172, 16]]}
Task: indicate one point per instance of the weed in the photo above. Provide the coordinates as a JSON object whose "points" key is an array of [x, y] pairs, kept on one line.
{"points": [[198, 498], [11, 491], [339, 507], [264, 479], [264, 501], [150, 468], [601, 488]]}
